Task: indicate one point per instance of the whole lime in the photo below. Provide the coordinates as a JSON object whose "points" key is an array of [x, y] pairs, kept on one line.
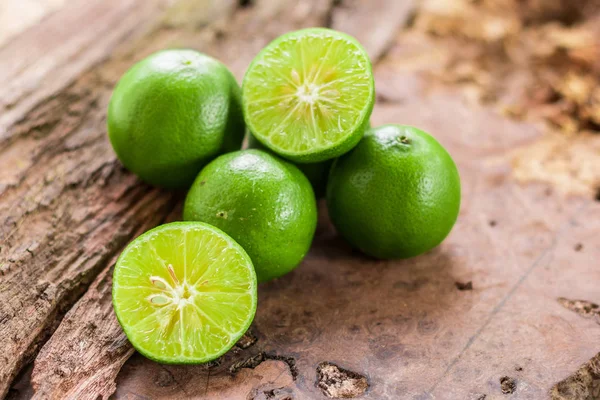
{"points": [[172, 113], [264, 203], [396, 194]]}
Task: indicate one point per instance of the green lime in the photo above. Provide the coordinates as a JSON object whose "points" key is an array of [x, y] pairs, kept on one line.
{"points": [[172, 113], [396, 194], [263, 202], [184, 293], [309, 94], [317, 173]]}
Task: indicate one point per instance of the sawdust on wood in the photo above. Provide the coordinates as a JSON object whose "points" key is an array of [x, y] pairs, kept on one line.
{"points": [[508, 385], [585, 308], [538, 58], [571, 163], [583, 384], [339, 383]]}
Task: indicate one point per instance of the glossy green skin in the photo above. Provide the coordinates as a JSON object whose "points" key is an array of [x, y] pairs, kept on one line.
{"points": [[264, 203], [334, 150], [172, 113], [392, 199], [316, 173]]}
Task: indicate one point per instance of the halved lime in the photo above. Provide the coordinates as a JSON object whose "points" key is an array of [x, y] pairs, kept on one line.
{"points": [[184, 292], [309, 94]]}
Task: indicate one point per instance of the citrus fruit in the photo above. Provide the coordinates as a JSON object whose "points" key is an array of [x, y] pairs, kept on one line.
{"points": [[316, 173], [266, 204], [309, 94], [173, 112], [396, 194], [184, 293]]}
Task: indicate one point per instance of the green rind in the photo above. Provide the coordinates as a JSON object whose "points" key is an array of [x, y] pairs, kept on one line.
{"points": [[317, 173], [319, 154], [237, 337], [270, 210], [167, 119], [394, 200]]}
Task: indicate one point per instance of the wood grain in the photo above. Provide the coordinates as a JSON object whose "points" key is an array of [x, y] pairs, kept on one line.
{"points": [[67, 206], [86, 352], [374, 23], [16, 16]]}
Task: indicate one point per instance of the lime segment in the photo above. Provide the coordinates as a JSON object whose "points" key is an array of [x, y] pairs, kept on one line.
{"points": [[184, 292], [308, 95]]}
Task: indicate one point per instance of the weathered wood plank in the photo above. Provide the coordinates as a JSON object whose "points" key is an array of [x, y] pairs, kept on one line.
{"points": [[374, 23], [61, 48], [67, 206], [86, 352], [88, 334], [63, 222], [16, 17]]}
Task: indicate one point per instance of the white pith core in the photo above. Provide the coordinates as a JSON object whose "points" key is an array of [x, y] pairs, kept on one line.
{"points": [[308, 93], [172, 293]]}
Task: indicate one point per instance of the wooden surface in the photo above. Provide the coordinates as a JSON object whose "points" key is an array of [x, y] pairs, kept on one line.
{"points": [[341, 324]]}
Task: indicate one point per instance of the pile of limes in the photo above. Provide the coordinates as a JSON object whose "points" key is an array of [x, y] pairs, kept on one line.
{"points": [[185, 292]]}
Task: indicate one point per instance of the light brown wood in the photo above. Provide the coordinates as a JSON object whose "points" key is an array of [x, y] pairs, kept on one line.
{"points": [[86, 352], [374, 23], [16, 16], [409, 329], [67, 206]]}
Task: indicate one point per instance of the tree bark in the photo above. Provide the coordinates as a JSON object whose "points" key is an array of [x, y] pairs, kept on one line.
{"points": [[86, 352], [67, 206]]}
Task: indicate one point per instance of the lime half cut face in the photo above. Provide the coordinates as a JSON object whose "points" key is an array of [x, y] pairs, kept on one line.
{"points": [[184, 293], [309, 94]]}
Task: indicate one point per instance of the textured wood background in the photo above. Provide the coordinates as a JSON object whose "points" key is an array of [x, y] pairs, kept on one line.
{"points": [[490, 314]]}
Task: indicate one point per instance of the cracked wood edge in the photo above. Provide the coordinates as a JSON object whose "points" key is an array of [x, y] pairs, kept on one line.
{"points": [[55, 56], [63, 222], [67, 206], [89, 335], [88, 332]]}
